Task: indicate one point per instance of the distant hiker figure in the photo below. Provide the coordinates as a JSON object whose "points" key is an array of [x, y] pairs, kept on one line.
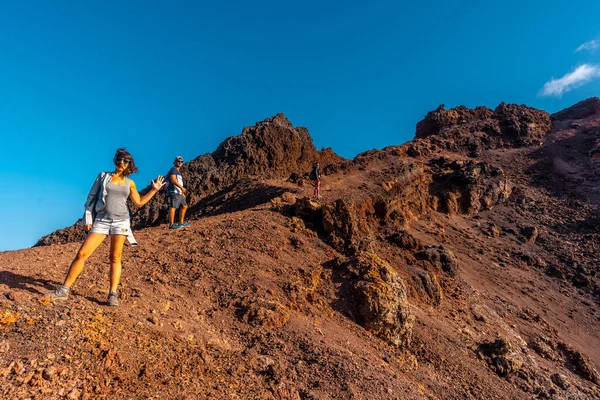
{"points": [[177, 195], [315, 176], [106, 214]]}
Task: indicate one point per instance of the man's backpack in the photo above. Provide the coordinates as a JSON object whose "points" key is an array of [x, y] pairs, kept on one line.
{"points": [[168, 186], [313, 174]]}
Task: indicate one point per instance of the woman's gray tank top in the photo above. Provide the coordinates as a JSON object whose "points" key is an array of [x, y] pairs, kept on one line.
{"points": [[116, 202]]}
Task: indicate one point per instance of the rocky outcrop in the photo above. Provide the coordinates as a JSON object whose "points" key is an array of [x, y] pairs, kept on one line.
{"points": [[522, 125], [405, 241], [440, 120], [402, 193], [501, 357], [465, 130], [583, 109], [271, 148], [74, 233], [346, 225], [440, 259], [380, 299], [579, 363], [467, 187]]}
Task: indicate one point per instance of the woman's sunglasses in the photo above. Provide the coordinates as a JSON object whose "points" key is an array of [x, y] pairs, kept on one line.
{"points": [[123, 160]]}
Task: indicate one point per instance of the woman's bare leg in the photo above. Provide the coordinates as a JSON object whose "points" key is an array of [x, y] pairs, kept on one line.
{"points": [[116, 250], [85, 251]]}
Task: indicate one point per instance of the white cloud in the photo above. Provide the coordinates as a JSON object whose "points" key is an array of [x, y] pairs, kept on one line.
{"points": [[591, 45], [581, 75]]}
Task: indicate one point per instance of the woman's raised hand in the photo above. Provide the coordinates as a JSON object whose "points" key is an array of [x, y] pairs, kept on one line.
{"points": [[158, 183]]}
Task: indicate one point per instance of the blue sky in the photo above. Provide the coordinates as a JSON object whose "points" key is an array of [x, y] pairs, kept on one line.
{"points": [[80, 79]]}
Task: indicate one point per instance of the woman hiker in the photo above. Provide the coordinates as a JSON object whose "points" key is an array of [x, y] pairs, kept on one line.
{"points": [[315, 176], [108, 200]]}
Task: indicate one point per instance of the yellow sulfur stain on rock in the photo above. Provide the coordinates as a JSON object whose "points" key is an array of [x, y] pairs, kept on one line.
{"points": [[8, 317]]}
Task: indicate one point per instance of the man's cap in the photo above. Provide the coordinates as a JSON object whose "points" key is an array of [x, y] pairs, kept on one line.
{"points": [[179, 158]]}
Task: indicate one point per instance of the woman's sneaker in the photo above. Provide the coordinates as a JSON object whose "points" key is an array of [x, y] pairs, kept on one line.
{"points": [[183, 224], [60, 294], [175, 226], [113, 299]]}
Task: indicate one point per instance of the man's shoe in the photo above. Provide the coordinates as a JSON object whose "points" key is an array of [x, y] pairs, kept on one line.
{"points": [[183, 224], [113, 300], [175, 226], [58, 295]]}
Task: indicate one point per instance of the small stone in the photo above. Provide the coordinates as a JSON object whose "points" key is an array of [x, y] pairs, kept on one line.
{"points": [[530, 234], [75, 394], [29, 377], [560, 381], [18, 368], [49, 373], [479, 313]]}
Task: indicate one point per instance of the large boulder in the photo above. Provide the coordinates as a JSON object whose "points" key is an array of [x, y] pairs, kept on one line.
{"points": [[346, 225], [501, 357], [468, 187], [440, 259], [380, 299]]}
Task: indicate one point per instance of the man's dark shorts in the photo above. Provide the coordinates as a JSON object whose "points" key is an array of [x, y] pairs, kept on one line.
{"points": [[177, 200]]}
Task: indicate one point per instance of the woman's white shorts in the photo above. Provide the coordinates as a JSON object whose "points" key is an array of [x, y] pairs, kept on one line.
{"points": [[111, 227]]}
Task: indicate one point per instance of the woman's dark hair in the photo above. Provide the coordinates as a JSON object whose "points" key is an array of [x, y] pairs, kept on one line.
{"points": [[122, 153]]}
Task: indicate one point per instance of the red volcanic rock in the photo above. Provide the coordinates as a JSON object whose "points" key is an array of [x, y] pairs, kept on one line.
{"points": [[583, 109], [73, 233], [461, 129], [381, 301], [521, 124], [271, 148], [468, 187], [439, 119]]}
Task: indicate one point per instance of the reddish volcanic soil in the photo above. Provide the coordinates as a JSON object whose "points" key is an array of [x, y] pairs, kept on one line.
{"points": [[460, 265]]}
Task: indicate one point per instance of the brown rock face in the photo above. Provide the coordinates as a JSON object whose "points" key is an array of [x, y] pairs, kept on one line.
{"points": [[441, 260], [74, 233], [380, 299], [271, 148], [347, 229], [468, 187], [501, 357], [472, 130], [583, 109], [522, 125]]}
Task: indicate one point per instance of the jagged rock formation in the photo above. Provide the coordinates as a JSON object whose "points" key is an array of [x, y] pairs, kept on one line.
{"points": [[470, 131]]}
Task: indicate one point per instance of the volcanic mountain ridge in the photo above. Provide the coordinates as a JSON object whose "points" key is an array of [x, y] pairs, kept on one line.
{"points": [[461, 264]]}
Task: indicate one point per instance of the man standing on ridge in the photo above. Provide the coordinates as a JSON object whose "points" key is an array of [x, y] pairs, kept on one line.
{"points": [[177, 195]]}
